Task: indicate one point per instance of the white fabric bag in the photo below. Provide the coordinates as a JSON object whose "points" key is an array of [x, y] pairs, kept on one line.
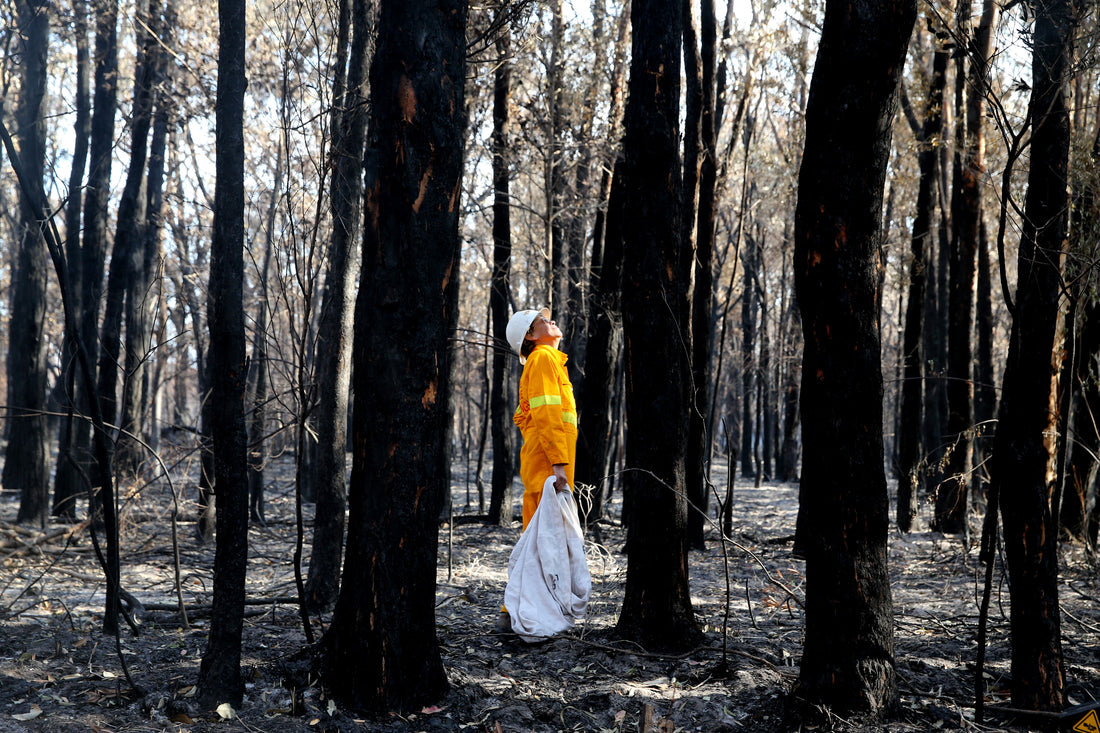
{"points": [[548, 580]]}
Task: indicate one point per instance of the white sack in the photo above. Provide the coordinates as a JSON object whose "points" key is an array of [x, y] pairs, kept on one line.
{"points": [[548, 580]]}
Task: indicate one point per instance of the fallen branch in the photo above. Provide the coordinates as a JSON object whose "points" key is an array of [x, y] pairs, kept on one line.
{"points": [[36, 539]]}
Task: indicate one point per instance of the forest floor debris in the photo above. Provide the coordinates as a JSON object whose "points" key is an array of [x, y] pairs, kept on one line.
{"points": [[58, 672]]}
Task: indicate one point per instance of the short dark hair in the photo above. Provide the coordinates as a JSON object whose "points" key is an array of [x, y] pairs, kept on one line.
{"points": [[527, 347]]}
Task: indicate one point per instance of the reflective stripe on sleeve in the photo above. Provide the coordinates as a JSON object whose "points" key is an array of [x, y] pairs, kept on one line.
{"points": [[546, 399]]}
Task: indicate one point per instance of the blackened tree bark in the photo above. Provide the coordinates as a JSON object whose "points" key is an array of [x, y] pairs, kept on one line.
{"points": [[848, 655], [76, 462], [656, 300], [603, 363], [556, 228], [381, 650], [26, 460], [66, 489], [696, 477], [985, 389], [220, 672], [142, 296], [912, 387], [750, 366], [953, 493], [335, 329], [500, 414], [1020, 457], [791, 415], [125, 255], [1078, 506], [603, 353], [257, 375], [1078, 517]]}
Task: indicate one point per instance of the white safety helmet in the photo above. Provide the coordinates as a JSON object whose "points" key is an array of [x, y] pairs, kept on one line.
{"points": [[518, 326]]}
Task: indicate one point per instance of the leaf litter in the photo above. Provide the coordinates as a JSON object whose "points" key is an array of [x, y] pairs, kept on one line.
{"points": [[59, 673]]}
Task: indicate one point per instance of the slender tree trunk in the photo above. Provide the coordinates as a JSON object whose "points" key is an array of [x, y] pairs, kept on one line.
{"points": [[220, 672], [791, 414], [702, 301], [71, 482], [848, 655], [603, 366], [603, 355], [1083, 470], [256, 390], [1078, 506], [26, 460], [335, 328], [141, 291], [1020, 456], [131, 214], [952, 498], [985, 389], [381, 652], [67, 476], [555, 168], [912, 387], [656, 611], [501, 501], [749, 365]]}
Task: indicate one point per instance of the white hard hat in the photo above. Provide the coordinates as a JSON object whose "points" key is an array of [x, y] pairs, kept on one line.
{"points": [[518, 326]]}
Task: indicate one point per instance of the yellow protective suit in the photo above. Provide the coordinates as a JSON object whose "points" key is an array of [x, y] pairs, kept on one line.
{"points": [[547, 417]]}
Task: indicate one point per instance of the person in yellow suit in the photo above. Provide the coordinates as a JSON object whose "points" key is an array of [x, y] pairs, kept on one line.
{"points": [[547, 411]]}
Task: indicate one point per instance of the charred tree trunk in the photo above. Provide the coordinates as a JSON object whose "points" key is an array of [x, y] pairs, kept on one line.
{"points": [[257, 378], [749, 364], [142, 296], [952, 498], [656, 611], [26, 460], [603, 353], [220, 672], [848, 656], [985, 388], [702, 299], [131, 213], [912, 387], [1078, 513], [70, 480], [381, 652], [555, 168], [66, 476], [1020, 456], [604, 364], [334, 332], [501, 498]]}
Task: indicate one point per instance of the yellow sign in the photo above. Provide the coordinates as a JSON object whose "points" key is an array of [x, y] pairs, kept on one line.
{"points": [[1088, 724]]}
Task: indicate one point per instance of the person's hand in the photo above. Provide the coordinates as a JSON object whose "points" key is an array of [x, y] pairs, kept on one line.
{"points": [[561, 483]]}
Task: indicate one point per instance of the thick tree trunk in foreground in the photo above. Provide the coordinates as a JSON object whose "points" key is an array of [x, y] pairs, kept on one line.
{"points": [[1020, 455], [26, 460], [220, 672], [656, 610], [381, 652], [848, 657]]}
